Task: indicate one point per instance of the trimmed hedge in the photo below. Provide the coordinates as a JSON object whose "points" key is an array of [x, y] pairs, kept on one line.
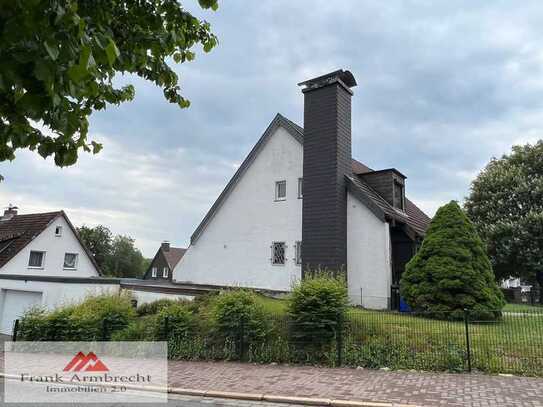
{"points": [[96, 318]]}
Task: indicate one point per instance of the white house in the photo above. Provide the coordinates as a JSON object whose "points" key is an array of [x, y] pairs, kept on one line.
{"points": [[43, 262], [299, 202]]}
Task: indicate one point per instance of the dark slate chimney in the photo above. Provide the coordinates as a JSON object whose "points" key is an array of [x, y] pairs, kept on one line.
{"points": [[165, 246], [327, 159]]}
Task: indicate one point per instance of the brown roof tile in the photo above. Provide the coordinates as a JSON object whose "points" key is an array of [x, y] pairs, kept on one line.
{"points": [[20, 230], [174, 255]]}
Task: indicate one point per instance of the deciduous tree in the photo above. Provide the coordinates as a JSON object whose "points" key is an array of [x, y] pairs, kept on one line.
{"points": [[59, 59], [506, 206]]}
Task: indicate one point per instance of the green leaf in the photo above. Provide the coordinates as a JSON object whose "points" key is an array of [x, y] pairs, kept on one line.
{"points": [[52, 49], [112, 51], [77, 73]]}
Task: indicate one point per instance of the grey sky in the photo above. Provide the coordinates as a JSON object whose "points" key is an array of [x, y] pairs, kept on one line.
{"points": [[443, 87]]}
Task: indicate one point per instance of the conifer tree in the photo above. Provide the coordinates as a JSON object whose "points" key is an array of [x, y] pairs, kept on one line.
{"points": [[451, 271]]}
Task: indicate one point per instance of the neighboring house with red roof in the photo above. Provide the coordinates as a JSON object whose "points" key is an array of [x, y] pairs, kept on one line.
{"points": [[165, 260], [41, 256], [299, 201]]}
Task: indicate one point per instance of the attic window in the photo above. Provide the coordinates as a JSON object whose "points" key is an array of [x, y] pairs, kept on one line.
{"points": [[153, 272], [280, 190], [399, 195], [165, 272], [58, 231]]}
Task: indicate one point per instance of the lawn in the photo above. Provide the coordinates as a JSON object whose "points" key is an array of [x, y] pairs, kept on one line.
{"points": [[522, 308], [513, 344]]}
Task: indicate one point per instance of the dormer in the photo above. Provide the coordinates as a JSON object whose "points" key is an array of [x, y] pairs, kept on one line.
{"points": [[390, 184]]}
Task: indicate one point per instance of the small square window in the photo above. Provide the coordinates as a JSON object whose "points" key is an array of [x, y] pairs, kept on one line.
{"points": [[280, 190], [70, 260], [298, 256], [58, 231], [278, 253], [300, 187], [153, 271], [165, 272], [36, 259]]}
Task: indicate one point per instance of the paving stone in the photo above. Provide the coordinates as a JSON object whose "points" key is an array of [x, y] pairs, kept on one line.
{"points": [[425, 389]]}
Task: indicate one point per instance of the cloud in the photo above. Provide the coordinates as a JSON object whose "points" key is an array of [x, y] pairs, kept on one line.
{"points": [[443, 87]]}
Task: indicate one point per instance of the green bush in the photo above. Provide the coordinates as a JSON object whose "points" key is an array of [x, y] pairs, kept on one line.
{"points": [[451, 272], [154, 307], [174, 321], [317, 308], [238, 312], [142, 329], [95, 318]]}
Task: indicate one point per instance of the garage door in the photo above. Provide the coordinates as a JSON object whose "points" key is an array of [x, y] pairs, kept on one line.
{"points": [[14, 305]]}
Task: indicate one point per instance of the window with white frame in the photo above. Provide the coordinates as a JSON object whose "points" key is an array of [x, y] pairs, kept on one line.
{"points": [[153, 271], [280, 190], [300, 187], [58, 231], [36, 259], [278, 253], [298, 255], [70, 260], [165, 272]]}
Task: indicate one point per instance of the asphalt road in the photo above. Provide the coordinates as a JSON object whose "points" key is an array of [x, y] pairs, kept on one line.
{"points": [[173, 401]]}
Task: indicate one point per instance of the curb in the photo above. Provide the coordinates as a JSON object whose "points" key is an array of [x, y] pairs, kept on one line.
{"points": [[272, 398]]}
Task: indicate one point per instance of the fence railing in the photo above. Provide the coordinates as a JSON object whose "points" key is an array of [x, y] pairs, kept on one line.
{"points": [[374, 339]]}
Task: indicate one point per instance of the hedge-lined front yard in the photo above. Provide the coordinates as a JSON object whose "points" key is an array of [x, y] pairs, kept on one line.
{"points": [[240, 324]]}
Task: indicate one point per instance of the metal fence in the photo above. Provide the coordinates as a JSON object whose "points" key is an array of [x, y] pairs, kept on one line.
{"points": [[373, 339]]}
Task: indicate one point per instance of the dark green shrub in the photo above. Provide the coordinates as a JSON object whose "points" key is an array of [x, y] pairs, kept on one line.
{"points": [[142, 329], [174, 321], [95, 318], [451, 271], [237, 312], [317, 308], [154, 307]]}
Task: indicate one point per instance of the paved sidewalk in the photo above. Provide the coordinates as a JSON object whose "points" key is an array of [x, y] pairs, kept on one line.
{"points": [[421, 389]]}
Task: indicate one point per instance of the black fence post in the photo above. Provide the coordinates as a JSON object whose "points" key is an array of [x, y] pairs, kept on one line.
{"points": [[15, 329], [468, 346], [104, 329], [166, 327], [242, 339], [339, 341]]}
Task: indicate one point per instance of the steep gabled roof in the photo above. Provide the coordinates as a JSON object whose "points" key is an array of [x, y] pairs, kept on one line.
{"points": [[17, 232], [413, 216], [173, 256]]}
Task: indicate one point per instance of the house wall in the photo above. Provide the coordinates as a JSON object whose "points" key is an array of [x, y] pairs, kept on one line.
{"points": [[234, 248], [55, 248], [55, 294], [148, 296], [369, 270], [159, 261]]}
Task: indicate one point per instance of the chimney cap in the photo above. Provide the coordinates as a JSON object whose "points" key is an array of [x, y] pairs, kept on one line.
{"points": [[345, 77]]}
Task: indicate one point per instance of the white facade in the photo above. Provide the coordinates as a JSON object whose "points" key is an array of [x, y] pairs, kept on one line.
{"points": [[16, 296], [55, 248], [235, 247], [368, 256], [143, 297]]}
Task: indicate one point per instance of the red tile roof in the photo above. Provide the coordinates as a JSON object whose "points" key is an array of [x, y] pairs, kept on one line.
{"points": [[20, 230]]}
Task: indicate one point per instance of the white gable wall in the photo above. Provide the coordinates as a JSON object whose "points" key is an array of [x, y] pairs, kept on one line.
{"points": [[55, 248], [234, 248], [369, 271]]}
